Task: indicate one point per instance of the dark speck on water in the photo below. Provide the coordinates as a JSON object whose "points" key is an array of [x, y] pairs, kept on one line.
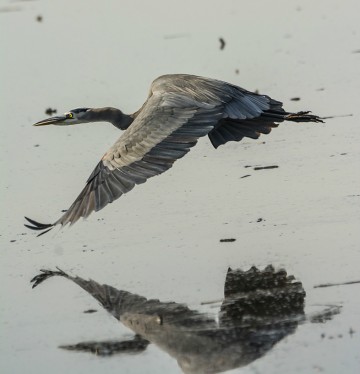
{"points": [[266, 167], [39, 18], [295, 99], [50, 111], [336, 284], [222, 43], [245, 176], [229, 240], [12, 241], [90, 311]]}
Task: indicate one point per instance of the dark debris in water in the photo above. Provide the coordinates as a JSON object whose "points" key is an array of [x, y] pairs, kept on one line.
{"points": [[338, 116], [227, 240], [336, 284], [222, 43], [50, 111], [266, 167], [90, 311], [295, 99]]}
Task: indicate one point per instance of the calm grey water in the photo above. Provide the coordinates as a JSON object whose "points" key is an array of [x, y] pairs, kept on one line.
{"points": [[162, 240]]}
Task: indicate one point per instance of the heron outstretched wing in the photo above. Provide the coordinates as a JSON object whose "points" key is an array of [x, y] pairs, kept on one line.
{"points": [[180, 109]]}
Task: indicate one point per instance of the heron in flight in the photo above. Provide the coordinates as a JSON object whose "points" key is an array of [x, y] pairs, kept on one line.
{"points": [[179, 110]]}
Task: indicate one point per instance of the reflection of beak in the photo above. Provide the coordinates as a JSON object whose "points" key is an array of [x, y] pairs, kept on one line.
{"points": [[51, 121]]}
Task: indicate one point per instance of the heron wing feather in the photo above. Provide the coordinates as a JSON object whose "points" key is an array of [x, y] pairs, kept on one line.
{"points": [[160, 135], [246, 114]]}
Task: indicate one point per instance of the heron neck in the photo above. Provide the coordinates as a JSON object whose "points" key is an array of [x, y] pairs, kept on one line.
{"points": [[114, 116]]}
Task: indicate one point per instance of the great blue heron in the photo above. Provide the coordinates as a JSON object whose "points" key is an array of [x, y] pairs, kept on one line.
{"points": [[180, 109]]}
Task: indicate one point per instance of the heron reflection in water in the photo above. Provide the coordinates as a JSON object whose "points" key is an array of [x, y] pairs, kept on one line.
{"points": [[259, 309], [179, 110]]}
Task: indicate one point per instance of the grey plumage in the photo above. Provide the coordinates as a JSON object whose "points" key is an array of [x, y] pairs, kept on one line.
{"points": [[180, 109]]}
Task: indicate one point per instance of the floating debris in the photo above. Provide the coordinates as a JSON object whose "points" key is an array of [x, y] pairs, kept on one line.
{"points": [[90, 311], [295, 99], [266, 167], [222, 43], [341, 115], [237, 71], [50, 111], [245, 176], [229, 240], [39, 18], [336, 284]]}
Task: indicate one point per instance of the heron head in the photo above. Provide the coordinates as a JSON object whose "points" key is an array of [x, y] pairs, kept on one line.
{"points": [[73, 117]]}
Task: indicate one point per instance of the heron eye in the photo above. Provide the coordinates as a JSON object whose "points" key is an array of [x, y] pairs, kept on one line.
{"points": [[70, 115]]}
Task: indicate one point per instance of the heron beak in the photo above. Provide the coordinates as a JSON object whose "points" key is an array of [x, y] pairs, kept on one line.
{"points": [[51, 121]]}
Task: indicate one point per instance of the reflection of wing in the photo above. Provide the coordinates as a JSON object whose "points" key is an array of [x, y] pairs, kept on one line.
{"points": [[179, 110], [196, 340]]}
